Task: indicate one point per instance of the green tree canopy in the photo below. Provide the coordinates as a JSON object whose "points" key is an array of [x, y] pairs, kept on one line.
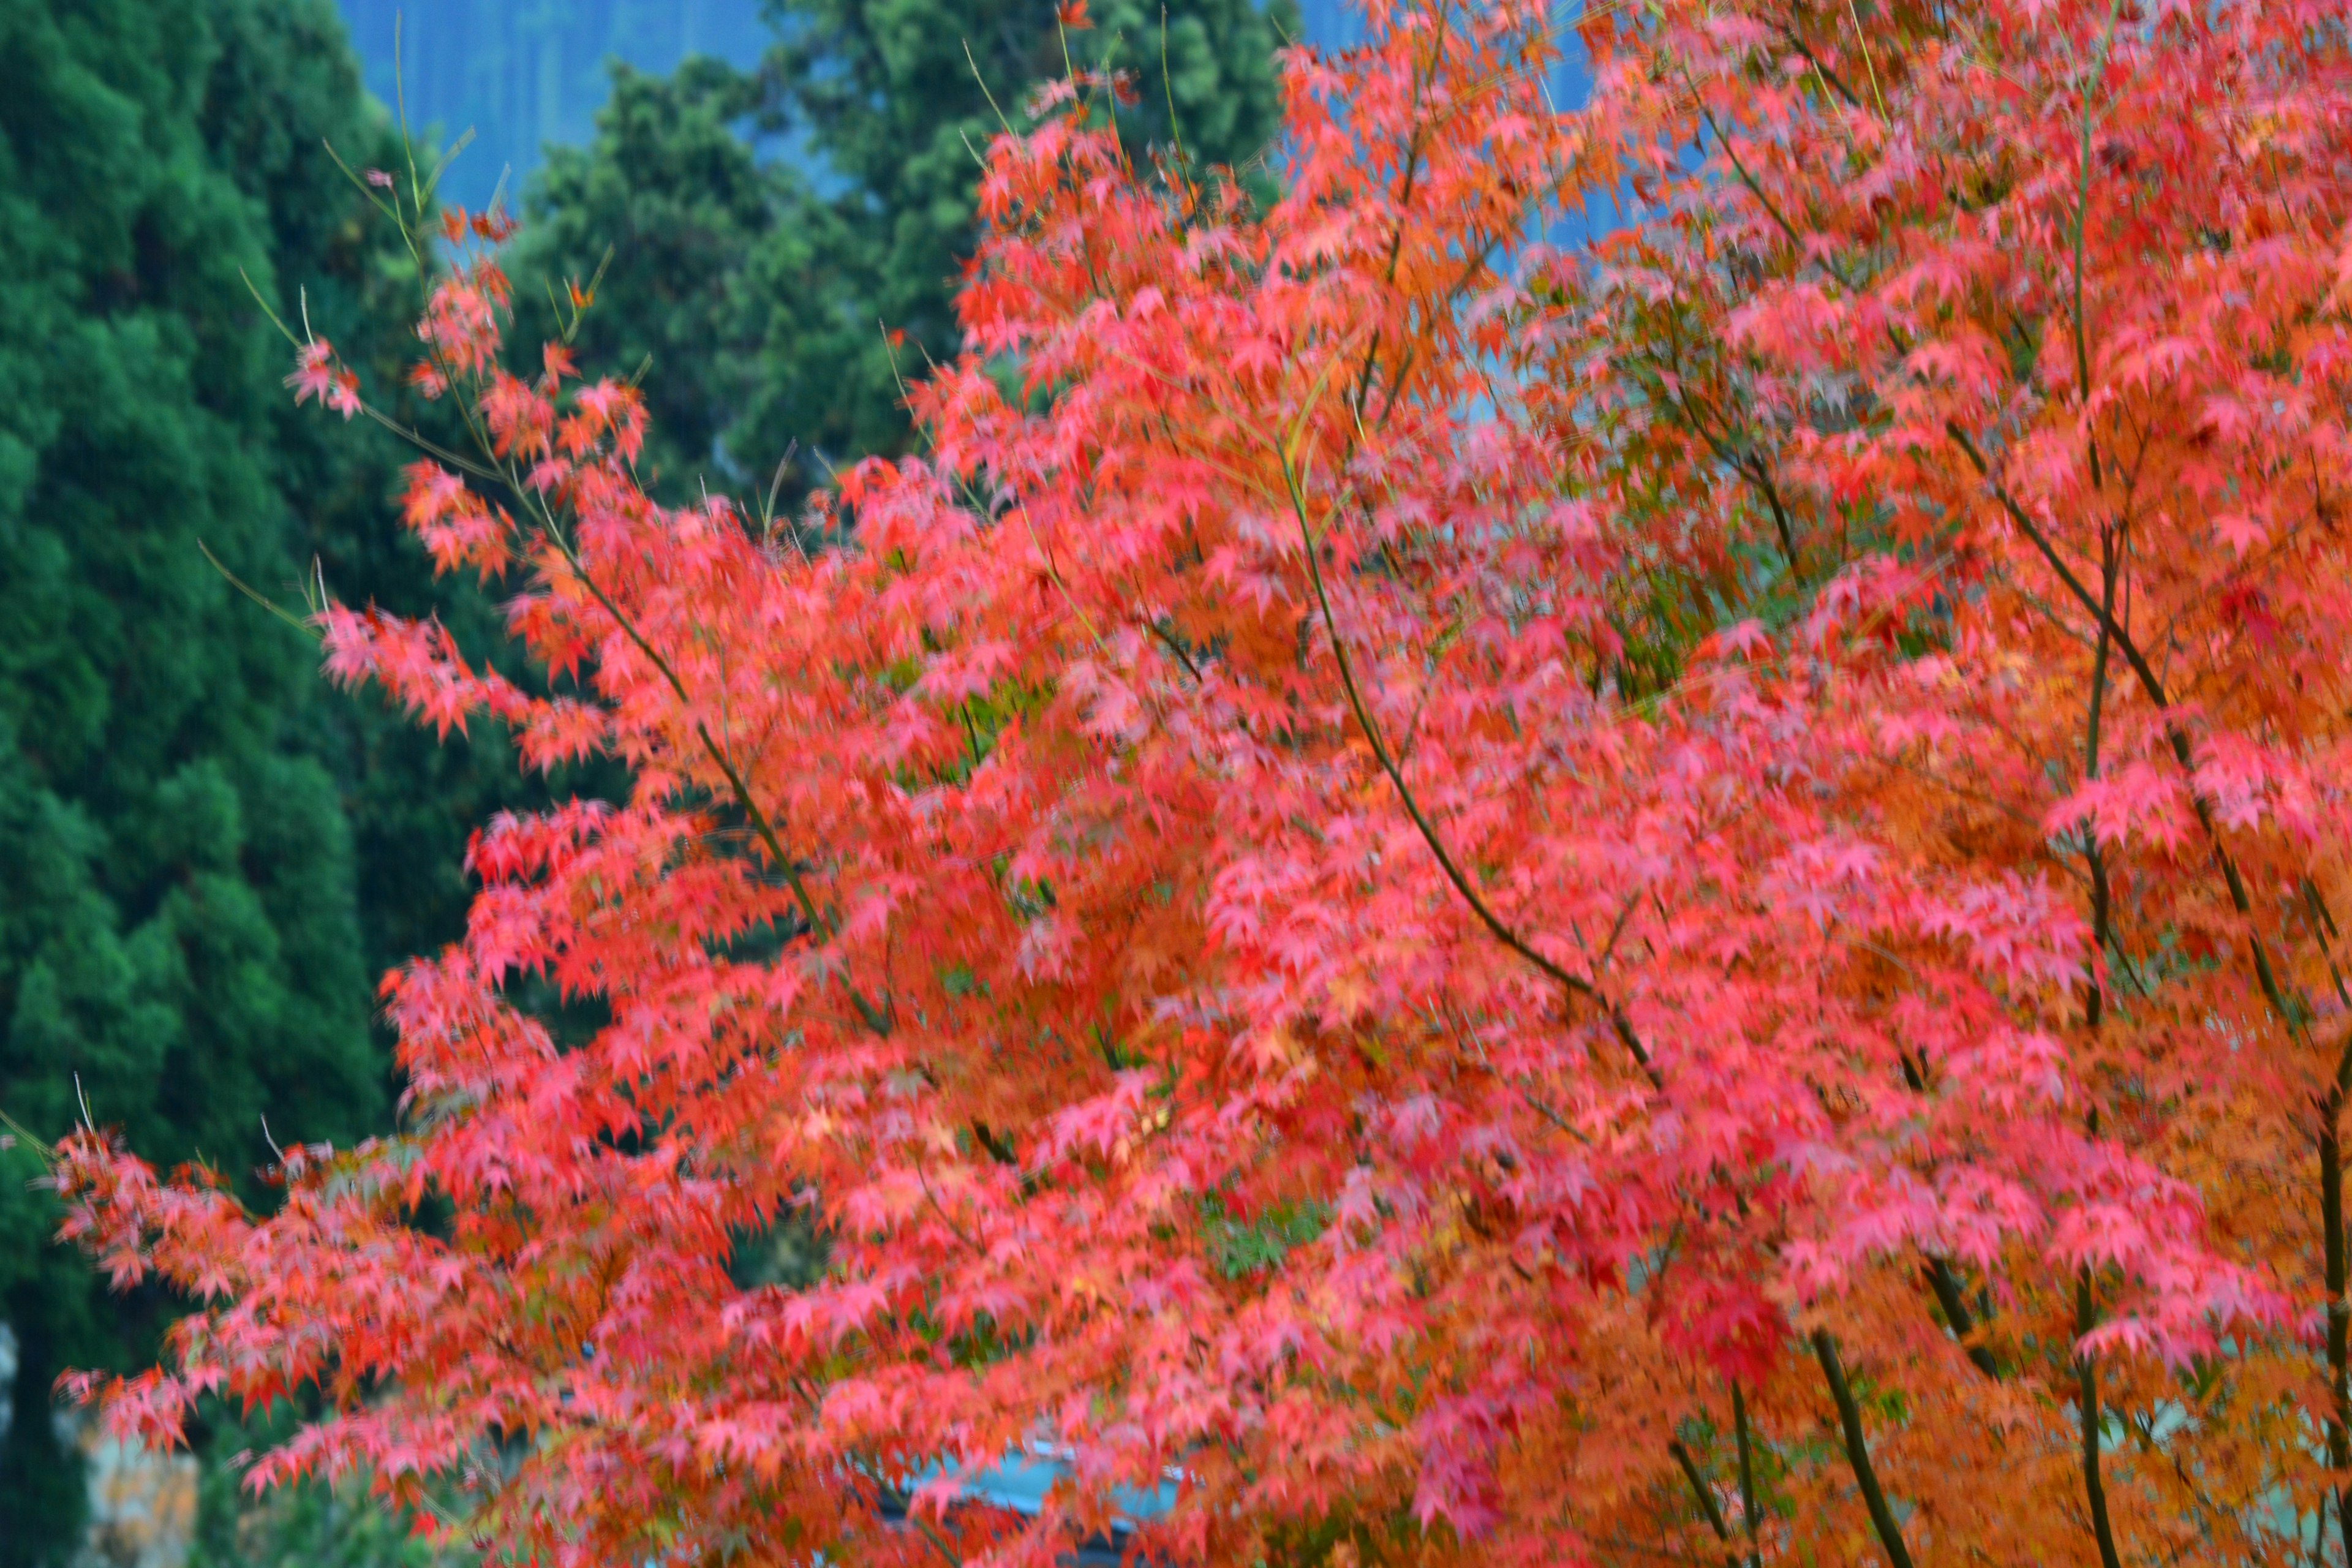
{"points": [[767, 289], [181, 931]]}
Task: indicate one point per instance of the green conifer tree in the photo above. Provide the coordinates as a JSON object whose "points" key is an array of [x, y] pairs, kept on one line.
{"points": [[181, 939]]}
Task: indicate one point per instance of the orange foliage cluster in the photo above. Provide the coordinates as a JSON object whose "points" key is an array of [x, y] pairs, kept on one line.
{"points": [[1665, 899]]}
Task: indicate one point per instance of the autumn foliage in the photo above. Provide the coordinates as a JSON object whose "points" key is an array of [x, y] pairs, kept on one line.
{"points": [[1486, 900]]}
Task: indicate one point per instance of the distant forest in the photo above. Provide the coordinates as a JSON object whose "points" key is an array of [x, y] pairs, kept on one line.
{"points": [[526, 73]]}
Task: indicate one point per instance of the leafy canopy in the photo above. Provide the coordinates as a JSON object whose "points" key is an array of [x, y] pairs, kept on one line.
{"points": [[1496, 905], [206, 859], [178, 932], [778, 300]]}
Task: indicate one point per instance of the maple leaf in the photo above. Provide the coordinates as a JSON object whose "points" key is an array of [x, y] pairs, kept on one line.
{"points": [[1406, 874], [318, 375]]}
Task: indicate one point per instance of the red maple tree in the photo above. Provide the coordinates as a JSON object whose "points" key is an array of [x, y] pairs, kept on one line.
{"points": [[1487, 898]]}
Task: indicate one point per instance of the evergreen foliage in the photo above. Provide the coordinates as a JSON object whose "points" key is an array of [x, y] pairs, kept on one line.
{"points": [[206, 857], [784, 301]]}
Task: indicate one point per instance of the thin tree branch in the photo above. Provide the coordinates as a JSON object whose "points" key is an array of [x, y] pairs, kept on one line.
{"points": [[2086, 1374], [1947, 1286], [1797, 42], [2182, 751], [1857, 1452], [1701, 1490], [2095, 1486], [1502, 932], [1746, 1475]]}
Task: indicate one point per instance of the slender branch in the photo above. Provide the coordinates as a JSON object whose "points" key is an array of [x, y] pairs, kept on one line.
{"points": [[1000, 1148], [2324, 928], [876, 1020], [2331, 1221], [1746, 1475], [2086, 1374], [2102, 911], [1168, 641], [429, 447], [1404, 205], [1868, 65], [750, 808], [2339, 1315], [503, 472], [1534, 1102], [1701, 1490], [1796, 41], [924, 1182], [2082, 223], [1947, 1286], [2095, 1486], [2182, 751], [239, 583], [1749, 465], [47, 1154], [1795, 239], [1502, 932], [1857, 1452], [1762, 478], [1939, 1268], [949, 1558]]}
